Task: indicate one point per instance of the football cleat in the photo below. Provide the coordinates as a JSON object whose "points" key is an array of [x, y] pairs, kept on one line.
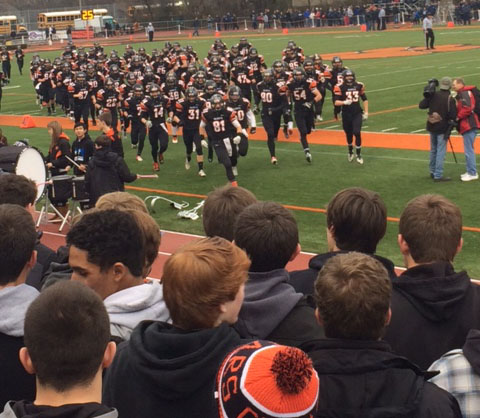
{"points": [[161, 160], [156, 167], [187, 164], [235, 170], [319, 118], [350, 158], [308, 157], [134, 146], [274, 160], [139, 158], [202, 173], [285, 132], [359, 160]]}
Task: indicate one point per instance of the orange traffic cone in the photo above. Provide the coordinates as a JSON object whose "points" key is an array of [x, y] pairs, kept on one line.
{"points": [[27, 122], [217, 34], [285, 31]]}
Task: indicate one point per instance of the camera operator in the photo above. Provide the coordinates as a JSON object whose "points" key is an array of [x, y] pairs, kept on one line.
{"points": [[442, 112]]}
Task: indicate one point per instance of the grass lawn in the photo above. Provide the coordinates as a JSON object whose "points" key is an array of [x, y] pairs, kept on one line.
{"points": [[397, 175]]}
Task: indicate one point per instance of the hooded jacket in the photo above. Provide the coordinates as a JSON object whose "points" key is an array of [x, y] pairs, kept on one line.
{"points": [[24, 409], [107, 172], [361, 379], [433, 308], [272, 310], [304, 280], [14, 302], [467, 118], [127, 308], [163, 371]]}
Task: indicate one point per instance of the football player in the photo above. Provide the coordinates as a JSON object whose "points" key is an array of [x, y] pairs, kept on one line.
{"points": [[136, 112]]}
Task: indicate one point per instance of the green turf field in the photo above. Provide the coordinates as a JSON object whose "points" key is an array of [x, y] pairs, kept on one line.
{"points": [[397, 175]]}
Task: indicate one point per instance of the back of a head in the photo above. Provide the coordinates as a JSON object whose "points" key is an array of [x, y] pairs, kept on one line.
{"points": [[221, 209], [358, 219], [120, 201], [276, 381], [432, 227], [17, 241], [108, 237], [66, 332], [17, 190], [268, 233], [106, 117], [352, 294], [201, 276], [103, 141]]}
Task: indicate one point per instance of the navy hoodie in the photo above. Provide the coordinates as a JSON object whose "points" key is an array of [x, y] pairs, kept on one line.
{"points": [[163, 371], [433, 309]]}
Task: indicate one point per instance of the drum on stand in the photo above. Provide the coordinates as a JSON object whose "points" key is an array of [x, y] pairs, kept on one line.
{"points": [[26, 161], [61, 188], [79, 190]]}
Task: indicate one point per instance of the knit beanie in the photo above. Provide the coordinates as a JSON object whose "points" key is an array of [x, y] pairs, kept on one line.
{"points": [[267, 380]]}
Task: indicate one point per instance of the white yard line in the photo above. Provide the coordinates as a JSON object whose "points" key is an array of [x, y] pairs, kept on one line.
{"points": [[417, 131], [389, 129]]}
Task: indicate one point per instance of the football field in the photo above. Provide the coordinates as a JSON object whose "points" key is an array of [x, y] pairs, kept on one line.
{"points": [[394, 68]]}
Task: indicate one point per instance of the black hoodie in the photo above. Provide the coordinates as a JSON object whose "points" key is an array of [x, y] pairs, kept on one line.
{"points": [[361, 379], [23, 409], [303, 280], [433, 308], [163, 371], [106, 172]]}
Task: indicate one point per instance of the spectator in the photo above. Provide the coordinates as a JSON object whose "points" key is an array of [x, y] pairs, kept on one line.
{"points": [[18, 190], [150, 31], [108, 253], [82, 149], [356, 221], [196, 25], [17, 257], [382, 23], [221, 209], [171, 369], [69, 33], [282, 382], [439, 305], [66, 347], [261, 23], [272, 309], [360, 375], [266, 20], [468, 124]]}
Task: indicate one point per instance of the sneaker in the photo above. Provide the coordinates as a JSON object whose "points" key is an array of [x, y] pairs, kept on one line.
{"points": [[202, 173], [161, 160], [139, 158], [274, 160], [37, 101], [350, 158], [156, 167], [210, 159], [319, 118], [285, 132], [469, 177], [464, 175], [174, 139], [308, 157], [134, 146], [441, 179], [359, 160], [187, 164], [235, 171]]}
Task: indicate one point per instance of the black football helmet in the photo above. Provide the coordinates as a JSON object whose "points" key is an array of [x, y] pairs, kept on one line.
{"points": [[138, 91], [348, 76], [154, 90], [298, 74], [217, 102], [210, 86], [234, 94], [109, 83], [191, 93]]}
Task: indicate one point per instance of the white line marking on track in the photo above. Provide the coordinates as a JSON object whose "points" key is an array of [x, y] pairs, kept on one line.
{"points": [[389, 129], [331, 127], [418, 130], [11, 87]]}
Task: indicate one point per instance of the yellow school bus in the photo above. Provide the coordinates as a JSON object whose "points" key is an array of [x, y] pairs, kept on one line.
{"points": [[62, 20], [9, 24]]}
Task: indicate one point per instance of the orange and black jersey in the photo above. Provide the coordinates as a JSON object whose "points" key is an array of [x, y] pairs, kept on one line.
{"points": [[221, 86], [156, 108], [19, 54], [125, 90], [82, 90], [190, 113], [219, 123], [301, 92], [222, 68], [242, 77], [353, 92], [133, 105], [161, 68], [64, 79], [257, 65], [272, 96], [117, 79], [47, 78], [5, 56], [109, 99], [337, 77], [173, 92], [293, 62], [241, 108], [96, 82]]}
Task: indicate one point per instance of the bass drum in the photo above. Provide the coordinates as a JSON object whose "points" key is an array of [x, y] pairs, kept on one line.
{"points": [[26, 161]]}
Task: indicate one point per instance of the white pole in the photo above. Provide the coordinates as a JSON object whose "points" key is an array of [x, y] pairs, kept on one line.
{"points": [[23, 39], [358, 20], [403, 18], [179, 31], [246, 27], [275, 24], [106, 34], [216, 27]]}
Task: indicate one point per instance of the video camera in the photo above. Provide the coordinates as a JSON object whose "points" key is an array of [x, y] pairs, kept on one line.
{"points": [[430, 88]]}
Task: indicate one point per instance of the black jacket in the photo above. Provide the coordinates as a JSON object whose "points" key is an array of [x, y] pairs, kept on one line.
{"points": [[445, 105], [273, 311], [45, 257], [360, 379], [304, 280], [163, 371], [15, 382], [106, 172], [24, 409], [433, 308], [82, 151]]}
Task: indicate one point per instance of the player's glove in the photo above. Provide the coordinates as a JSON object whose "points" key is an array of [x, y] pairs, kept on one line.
{"points": [[149, 124], [203, 141], [308, 105], [253, 130], [270, 111], [347, 102], [364, 116], [237, 139]]}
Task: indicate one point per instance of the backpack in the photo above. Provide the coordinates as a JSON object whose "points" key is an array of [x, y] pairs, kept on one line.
{"points": [[476, 95]]}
